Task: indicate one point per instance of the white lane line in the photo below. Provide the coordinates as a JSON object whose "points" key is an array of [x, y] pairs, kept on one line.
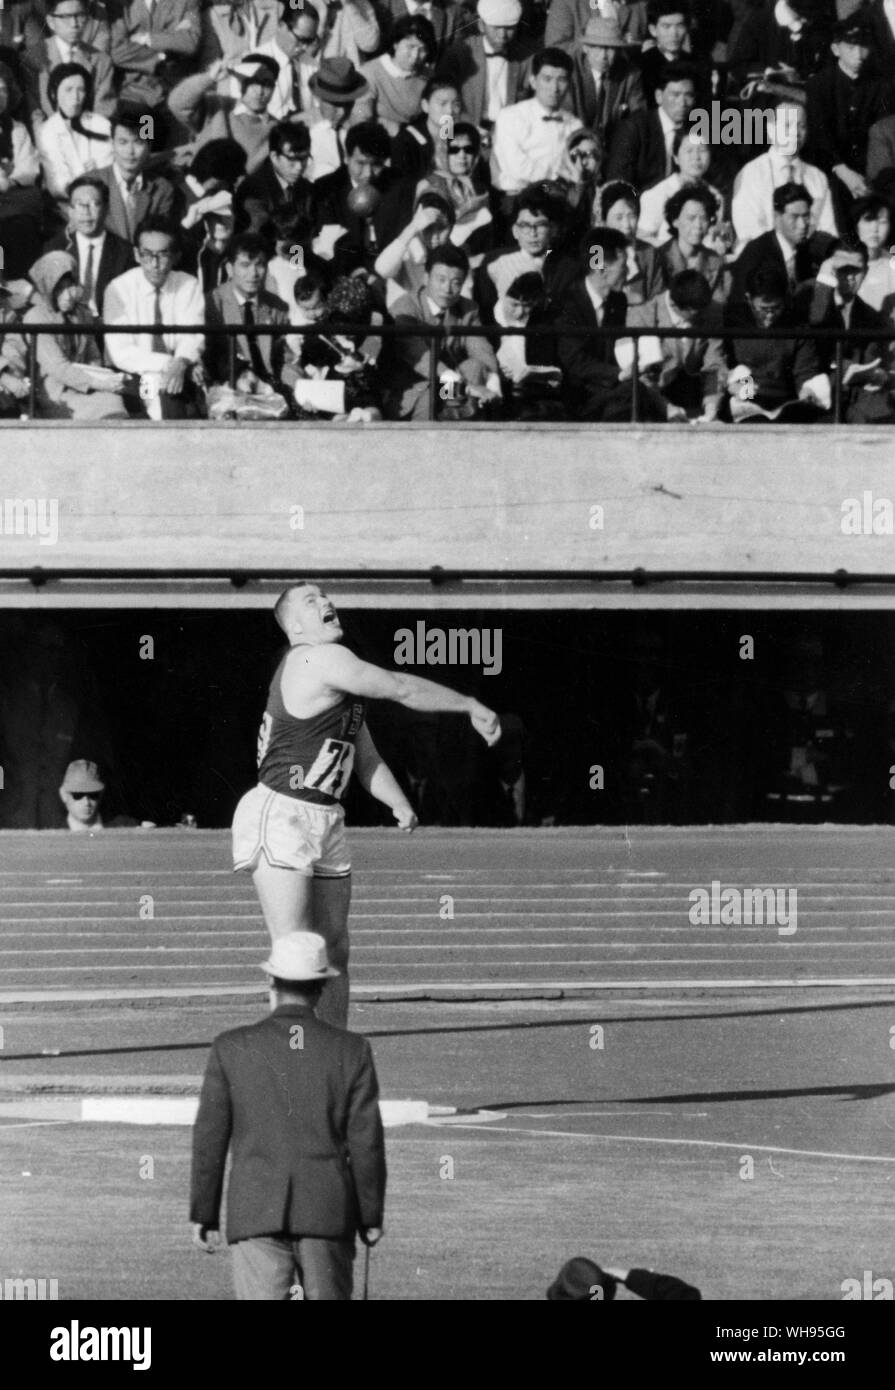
{"points": [[691, 1143], [595, 915], [136, 968], [789, 942], [428, 927], [34, 1124]]}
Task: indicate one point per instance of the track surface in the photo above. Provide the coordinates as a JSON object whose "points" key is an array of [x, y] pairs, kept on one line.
{"points": [[572, 907]]}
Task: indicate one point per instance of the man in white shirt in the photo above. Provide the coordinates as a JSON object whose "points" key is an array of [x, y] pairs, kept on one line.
{"points": [[752, 209], [490, 67], [296, 51], [530, 138], [334, 87], [156, 294]]}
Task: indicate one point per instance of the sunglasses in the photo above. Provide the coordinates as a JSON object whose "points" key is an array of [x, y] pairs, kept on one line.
{"points": [[85, 796], [306, 43], [461, 149]]}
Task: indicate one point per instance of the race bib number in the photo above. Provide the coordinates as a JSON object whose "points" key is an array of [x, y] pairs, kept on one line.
{"points": [[332, 767], [264, 737]]}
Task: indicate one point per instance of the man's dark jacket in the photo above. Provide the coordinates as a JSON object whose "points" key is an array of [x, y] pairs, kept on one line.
{"points": [[297, 1102]]}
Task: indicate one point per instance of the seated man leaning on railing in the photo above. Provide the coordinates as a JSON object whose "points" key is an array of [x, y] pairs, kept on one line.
{"points": [[71, 381]]}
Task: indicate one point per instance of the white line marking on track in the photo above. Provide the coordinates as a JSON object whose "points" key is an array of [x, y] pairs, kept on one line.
{"points": [[33, 1124], [694, 1143]]}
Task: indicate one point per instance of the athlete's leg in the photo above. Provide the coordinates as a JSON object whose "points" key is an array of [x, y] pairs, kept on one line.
{"points": [[331, 900], [285, 897]]}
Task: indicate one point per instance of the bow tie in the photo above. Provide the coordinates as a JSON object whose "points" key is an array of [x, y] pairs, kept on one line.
{"points": [[552, 118]]}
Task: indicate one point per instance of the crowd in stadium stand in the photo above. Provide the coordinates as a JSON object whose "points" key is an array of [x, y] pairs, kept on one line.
{"points": [[722, 166]]}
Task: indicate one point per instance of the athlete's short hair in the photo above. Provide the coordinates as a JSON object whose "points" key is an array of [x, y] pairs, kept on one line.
{"points": [[284, 602]]}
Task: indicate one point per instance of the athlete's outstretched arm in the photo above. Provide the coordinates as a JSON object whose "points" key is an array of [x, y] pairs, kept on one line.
{"points": [[343, 671], [378, 779]]}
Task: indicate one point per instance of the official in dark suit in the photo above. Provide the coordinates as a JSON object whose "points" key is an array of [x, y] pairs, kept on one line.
{"points": [[490, 66], [791, 246], [243, 300], [592, 382], [641, 149], [606, 87], [295, 1101], [101, 256]]}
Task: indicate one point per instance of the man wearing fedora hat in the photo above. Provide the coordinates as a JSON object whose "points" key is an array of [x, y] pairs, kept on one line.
{"points": [[582, 1281], [335, 87], [606, 85], [296, 1103]]}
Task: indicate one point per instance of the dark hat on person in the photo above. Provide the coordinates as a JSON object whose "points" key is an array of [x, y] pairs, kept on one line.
{"points": [[257, 67], [581, 1281], [338, 81], [853, 30]]}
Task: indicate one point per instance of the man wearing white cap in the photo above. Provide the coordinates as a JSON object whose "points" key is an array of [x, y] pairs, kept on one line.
{"points": [[490, 67], [296, 1102]]}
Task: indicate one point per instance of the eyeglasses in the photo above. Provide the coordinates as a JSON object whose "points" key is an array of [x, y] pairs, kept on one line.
{"points": [[292, 158], [85, 796], [156, 257], [577, 155], [305, 43], [461, 149], [533, 226]]}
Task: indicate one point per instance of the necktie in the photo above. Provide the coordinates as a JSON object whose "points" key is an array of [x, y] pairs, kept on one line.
{"points": [[786, 172], [158, 341], [89, 282], [127, 199], [257, 361]]}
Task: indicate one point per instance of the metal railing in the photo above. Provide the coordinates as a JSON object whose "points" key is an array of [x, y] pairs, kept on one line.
{"points": [[437, 334]]}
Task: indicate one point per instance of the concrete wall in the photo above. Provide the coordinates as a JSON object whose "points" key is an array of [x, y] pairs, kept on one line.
{"points": [[481, 498]]}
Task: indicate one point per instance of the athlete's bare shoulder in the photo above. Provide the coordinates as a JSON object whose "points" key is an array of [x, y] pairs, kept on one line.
{"points": [[310, 680]]}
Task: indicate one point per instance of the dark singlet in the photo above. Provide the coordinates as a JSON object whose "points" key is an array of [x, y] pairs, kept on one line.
{"points": [[308, 759]]}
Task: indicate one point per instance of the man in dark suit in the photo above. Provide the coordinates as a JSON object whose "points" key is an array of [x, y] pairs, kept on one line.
{"points": [[100, 254], [364, 175], [297, 1102], [243, 299], [606, 86], [490, 66], [279, 183], [791, 246], [882, 40], [868, 398], [66, 20], [134, 193], [593, 385], [841, 104], [881, 152], [781, 375], [640, 153]]}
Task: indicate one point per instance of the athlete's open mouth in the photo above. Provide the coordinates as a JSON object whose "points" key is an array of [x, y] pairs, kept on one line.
{"points": [[330, 617]]}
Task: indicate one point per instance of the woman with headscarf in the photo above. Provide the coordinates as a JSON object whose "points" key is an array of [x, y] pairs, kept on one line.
{"points": [[465, 183], [74, 140], [20, 206], [72, 383]]}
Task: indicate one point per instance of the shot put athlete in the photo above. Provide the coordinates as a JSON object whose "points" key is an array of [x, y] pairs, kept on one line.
{"points": [[289, 830]]}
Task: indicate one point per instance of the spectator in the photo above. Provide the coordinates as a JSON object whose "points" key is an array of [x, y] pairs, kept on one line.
{"points": [[871, 223], [336, 87], [866, 366], [489, 67], [752, 209], [403, 263], [15, 386], [843, 102], [100, 255], [582, 1281], [881, 154], [641, 149], [295, 48], [20, 203], [134, 192], [537, 231], [423, 143], [441, 302], [446, 17], [791, 246], [229, 29], [153, 294], [303, 1124], [211, 257], [291, 236], [693, 157], [567, 20], [606, 86], [668, 22], [690, 214], [788, 38], [619, 208], [363, 227], [348, 30], [529, 375], [308, 307], [877, 16], [74, 140], [152, 46], [351, 358], [68, 22], [466, 186], [279, 184], [586, 158], [592, 383], [71, 383], [243, 299], [530, 138], [207, 189], [690, 378], [81, 793], [397, 79], [209, 116], [779, 378]]}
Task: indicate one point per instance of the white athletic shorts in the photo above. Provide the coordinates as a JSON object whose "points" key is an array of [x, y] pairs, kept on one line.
{"points": [[291, 834]]}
